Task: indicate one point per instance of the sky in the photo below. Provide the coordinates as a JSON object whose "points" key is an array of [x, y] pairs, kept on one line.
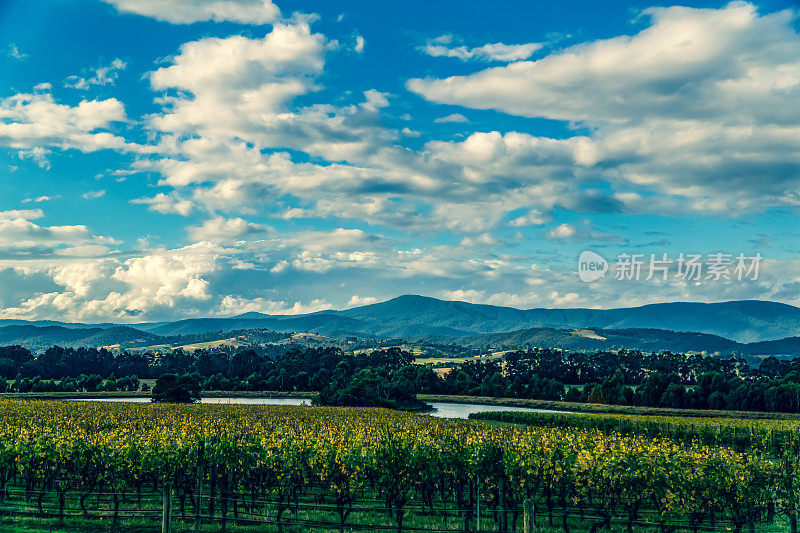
{"points": [[164, 159]]}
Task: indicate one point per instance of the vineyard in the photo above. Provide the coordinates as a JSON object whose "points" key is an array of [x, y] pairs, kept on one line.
{"points": [[238, 467], [775, 437]]}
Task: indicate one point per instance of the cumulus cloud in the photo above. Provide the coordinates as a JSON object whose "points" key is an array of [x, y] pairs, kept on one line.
{"points": [[230, 125], [237, 83], [189, 11], [222, 229], [697, 105], [579, 233], [534, 217], [236, 305], [357, 300], [166, 203], [28, 214], [286, 274], [19, 237], [161, 281], [33, 123], [443, 46]]}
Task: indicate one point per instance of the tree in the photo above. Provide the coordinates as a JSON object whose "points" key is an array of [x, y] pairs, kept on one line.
{"points": [[174, 388], [12, 358], [611, 391], [373, 387]]}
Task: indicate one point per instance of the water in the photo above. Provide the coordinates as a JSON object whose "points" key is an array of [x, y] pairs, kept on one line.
{"points": [[440, 409], [463, 410]]}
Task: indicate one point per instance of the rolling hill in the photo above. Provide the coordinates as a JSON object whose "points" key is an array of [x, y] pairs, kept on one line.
{"points": [[42, 337], [646, 340], [417, 316], [738, 325]]}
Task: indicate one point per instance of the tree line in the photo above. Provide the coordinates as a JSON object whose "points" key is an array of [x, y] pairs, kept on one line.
{"points": [[389, 377]]}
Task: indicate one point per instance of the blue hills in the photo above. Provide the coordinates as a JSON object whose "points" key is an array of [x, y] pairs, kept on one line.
{"points": [[725, 325]]}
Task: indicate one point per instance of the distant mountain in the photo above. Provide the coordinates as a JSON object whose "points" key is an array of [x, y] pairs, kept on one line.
{"points": [[742, 321], [328, 322], [418, 317], [42, 323], [646, 340], [787, 346], [41, 337]]}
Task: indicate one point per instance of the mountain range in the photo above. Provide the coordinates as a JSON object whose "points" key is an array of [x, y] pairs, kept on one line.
{"points": [[726, 326]]}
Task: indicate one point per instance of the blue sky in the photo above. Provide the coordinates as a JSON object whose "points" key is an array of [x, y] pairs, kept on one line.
{"points": [[194, 158]]}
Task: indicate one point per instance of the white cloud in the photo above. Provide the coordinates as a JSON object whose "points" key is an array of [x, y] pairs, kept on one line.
{"points": [[238, 85], [236, 305], [21, 237], [166, 203], [102, 76], [442, 46], [93, 195], [21, 233], [534, 217], [584, 232], [222, 229], [27, 214], [673, 67], [698, 106], [39, 199], [359, 46], [32, 123], [453, 117], [189, 11], [357, 300], [16, 53]]}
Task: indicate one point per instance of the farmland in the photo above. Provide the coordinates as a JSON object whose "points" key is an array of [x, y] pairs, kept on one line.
{"points": [[224, 466]]}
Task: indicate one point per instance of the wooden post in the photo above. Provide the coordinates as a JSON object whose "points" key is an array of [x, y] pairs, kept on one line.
{"points": [[166, 508], [501, 488], [199, 490], [529, 516], [478, 504]]}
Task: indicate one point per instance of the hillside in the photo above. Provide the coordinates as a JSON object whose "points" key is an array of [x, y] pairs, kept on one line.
{"points": [[418, 316], [649, 327], [646, 340], [42, 337]]}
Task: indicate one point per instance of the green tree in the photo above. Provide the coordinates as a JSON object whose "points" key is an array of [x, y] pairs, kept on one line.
{"points": [[174, 388]]}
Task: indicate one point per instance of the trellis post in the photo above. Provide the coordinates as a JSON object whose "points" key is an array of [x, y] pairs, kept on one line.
{"points": [[166, 508], [529, 516]]}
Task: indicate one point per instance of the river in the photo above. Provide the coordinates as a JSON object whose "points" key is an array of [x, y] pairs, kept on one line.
{"points": [[440, 409]]}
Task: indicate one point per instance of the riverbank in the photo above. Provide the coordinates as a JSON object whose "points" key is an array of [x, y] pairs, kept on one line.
{"points": [[146, 394], [444, 398], [603, 408]]}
